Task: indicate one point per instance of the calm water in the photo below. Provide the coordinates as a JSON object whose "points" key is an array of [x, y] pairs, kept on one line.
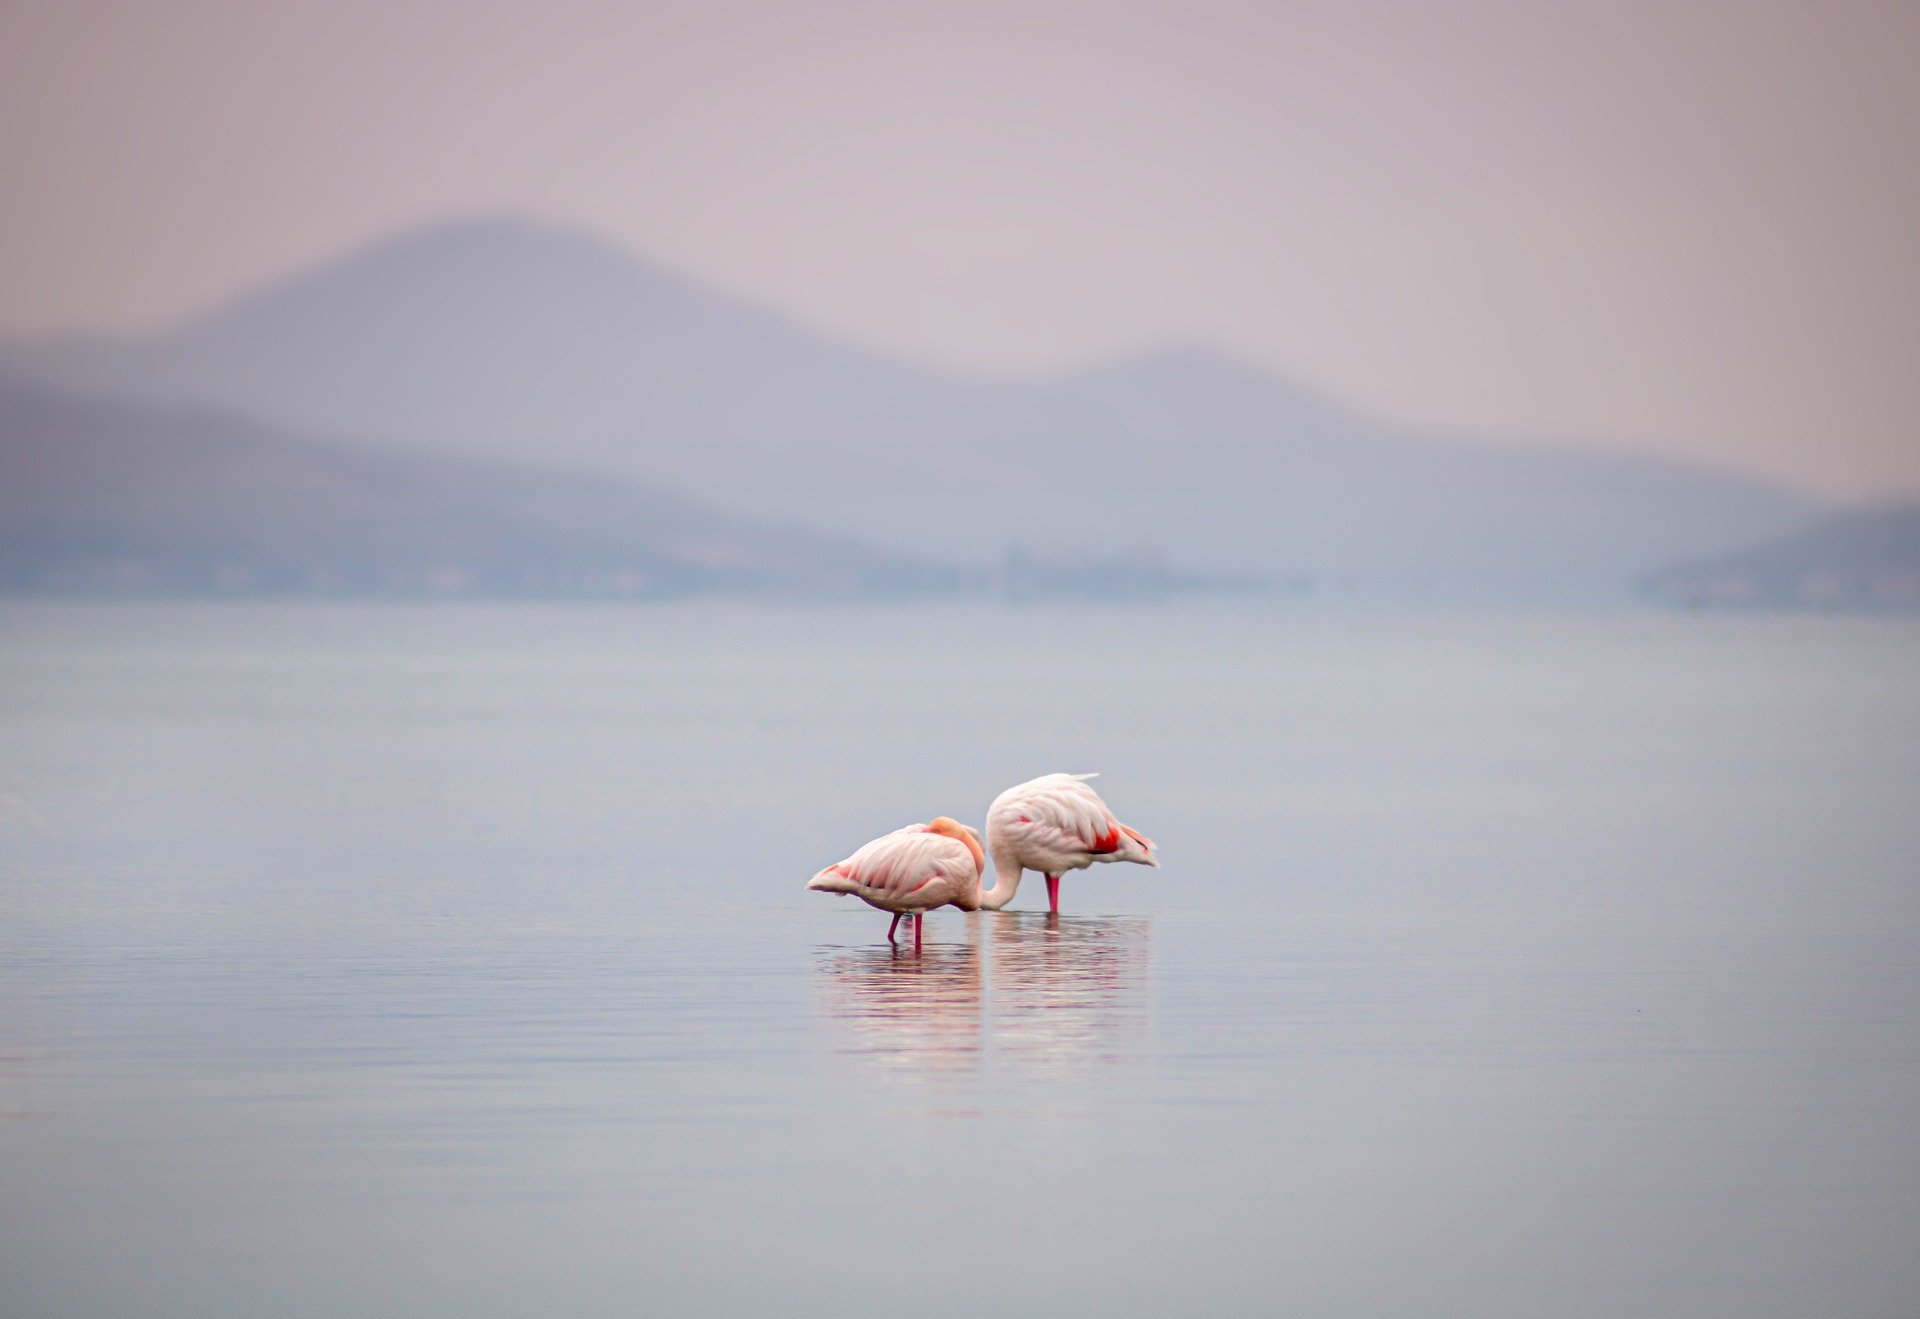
{"points": [[445, 961]]}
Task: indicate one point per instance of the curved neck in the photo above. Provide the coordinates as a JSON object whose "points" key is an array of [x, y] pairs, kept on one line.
{"points": [[1006, 883]]}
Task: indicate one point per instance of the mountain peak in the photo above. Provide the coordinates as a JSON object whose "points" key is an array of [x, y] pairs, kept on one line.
{"points": [[1212, 381], [497, 239], [480, 265]]}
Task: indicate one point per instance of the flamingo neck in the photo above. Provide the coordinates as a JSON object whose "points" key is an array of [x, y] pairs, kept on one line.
{"points": [[1006, 883]]}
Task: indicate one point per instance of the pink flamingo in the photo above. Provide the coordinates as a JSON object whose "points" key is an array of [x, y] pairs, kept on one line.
{"points": [[1054, 824], [911, 871]]}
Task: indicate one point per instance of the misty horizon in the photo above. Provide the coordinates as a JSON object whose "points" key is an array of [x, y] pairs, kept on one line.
{"points": [[534, 347], [1169, 349], [1683, 230]]}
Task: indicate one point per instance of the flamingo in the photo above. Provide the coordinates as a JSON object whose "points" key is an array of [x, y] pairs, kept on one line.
{"points": [[911, 871], [1054, 824]]}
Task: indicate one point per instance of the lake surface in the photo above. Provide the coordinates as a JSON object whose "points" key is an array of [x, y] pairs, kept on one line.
{"points": [[456, 961]]}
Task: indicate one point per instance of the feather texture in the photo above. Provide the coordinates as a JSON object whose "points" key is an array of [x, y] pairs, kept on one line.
{"points": [[1057, 823], [911, 870]]}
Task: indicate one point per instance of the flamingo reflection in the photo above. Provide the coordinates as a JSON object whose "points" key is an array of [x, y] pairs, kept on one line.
{"points": [[915, 1013], [1034, 993], [1067, 993]]}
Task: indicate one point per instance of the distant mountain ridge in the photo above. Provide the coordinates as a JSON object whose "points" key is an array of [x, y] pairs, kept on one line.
{"points": [[1860, 561], [508, 341], [116, 499]]}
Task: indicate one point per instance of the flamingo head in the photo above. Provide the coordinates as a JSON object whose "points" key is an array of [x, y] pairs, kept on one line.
{"points": [[965, 833]]}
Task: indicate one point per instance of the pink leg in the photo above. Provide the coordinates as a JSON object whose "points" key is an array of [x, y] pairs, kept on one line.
{"points": [[1053, 894], [891, 928], [916, 932]]}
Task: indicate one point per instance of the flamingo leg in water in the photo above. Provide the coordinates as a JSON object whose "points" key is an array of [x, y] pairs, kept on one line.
{"points": [[916, 932], [891, 928], [1053, 894]]}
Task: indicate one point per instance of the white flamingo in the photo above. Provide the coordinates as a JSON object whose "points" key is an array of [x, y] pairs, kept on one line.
{"points": [[1054, 824], [911, 871]]}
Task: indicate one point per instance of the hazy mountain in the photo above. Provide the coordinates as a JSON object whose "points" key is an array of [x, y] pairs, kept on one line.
{"points": [[1864, 560], [126, 499], [511, 341]]}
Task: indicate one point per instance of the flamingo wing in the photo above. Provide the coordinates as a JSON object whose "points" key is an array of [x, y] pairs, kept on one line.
{"points": [[908, 869], [1059, 814]]}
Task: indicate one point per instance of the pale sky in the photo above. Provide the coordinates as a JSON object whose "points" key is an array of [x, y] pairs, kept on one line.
{"points": [[1683, 228]]}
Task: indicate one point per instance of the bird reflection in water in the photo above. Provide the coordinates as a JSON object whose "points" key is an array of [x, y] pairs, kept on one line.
{"points": [[1025, 992], [913, 1012], [1067, 992]]}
